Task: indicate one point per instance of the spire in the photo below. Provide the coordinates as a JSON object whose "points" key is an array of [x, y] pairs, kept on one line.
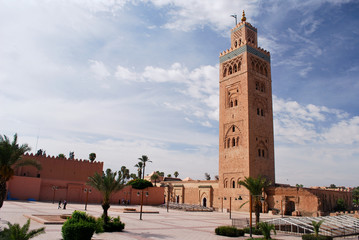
{"points": [[243, 17]]}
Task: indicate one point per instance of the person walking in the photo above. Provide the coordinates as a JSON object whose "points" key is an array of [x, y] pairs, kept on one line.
{"points": [[59, 205], [65, 203]]}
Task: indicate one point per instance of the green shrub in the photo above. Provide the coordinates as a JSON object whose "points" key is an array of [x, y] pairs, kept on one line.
{"points": [[266, 229], [229, 231], [114, 225], [254, 231], [313, 237], [80, 226]]}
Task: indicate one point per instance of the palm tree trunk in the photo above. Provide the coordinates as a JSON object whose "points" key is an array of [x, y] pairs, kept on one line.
{"points": [[258, 208], [2, 192], [105, 207], [143, 175]]}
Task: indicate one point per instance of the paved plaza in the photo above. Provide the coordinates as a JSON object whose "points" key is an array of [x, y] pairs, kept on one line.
{"points": [[164, 225]]}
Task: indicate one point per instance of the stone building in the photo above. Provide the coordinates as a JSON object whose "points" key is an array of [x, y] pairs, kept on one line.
{"points": [[246, 142]]}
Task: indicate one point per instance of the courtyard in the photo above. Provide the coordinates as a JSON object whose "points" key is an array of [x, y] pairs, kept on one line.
{"points": [[164, 225]]}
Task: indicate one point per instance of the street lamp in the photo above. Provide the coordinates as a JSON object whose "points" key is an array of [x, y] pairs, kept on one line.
{"points": [[87, 191], [54, 188], [138, 194]]}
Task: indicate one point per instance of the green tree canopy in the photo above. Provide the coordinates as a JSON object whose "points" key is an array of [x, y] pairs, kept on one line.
{"points": [[92, 157], [107, 184], [140, 184], [255, 187], [10, 159]]}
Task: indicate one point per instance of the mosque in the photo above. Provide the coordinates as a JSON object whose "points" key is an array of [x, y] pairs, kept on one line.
{"points": [[246, 142], [246, 149]]}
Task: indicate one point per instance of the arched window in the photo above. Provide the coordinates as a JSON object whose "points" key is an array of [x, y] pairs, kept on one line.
{"points": [[238, 186], [235, 43], [225, 183], [233, 128], [257, 67], [259, 152], [228, 143], [233, 184], [235, 68], [249, 40], [262, 112], [235, 102], [237, 142], [257, 85], [263, 153], [262, 88], [239, 66], [265, 72], [224, 72], [233, 142], [230, 70], [231, 103], [240, 41], [258, 111]]}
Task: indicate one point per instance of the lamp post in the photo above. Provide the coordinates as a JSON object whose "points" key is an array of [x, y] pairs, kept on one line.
{"points": [[54, 188], [87, 191], [138, 194]]}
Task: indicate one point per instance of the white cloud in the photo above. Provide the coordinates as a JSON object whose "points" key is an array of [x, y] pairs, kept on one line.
{"points": [[99, 69]]}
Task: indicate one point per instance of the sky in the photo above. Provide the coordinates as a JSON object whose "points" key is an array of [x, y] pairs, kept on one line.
{"points": [[130, 78]]}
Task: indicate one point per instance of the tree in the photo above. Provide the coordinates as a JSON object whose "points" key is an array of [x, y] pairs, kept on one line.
{"points": [[107, 184], [139, 166], [155, 177], [169, 175], [332, 186], [61, 155], [10, 159], [316, 227], [124, 174], [216, 177], [341, 206], [266, 229], [207, 176], [144, 159], [92, 157], [15, 232], [299, 185], [133, 176], [161, 174], [255, 187], [356, 196], [176, 174]]}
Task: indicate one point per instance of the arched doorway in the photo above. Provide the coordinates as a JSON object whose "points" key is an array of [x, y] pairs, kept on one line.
{"points": [[177, 199], [204, 202]]}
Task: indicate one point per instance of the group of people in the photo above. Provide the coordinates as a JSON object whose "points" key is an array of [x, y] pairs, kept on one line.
{"points": [[64, 205]]}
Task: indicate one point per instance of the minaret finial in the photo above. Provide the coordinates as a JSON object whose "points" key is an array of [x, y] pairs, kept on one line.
{"points": [[243, 17]]}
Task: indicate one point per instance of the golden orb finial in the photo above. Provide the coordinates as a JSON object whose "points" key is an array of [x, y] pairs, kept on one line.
{"points": [[243, 17]]}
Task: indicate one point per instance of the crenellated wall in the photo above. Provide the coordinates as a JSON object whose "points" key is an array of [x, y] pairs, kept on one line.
{"points": [[65, 179]]}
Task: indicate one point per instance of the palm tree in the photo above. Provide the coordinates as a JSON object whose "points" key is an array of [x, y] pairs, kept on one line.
{"points": [[10, 159], [176, 174], [139, 166], [155, 177], [255, 187], [266, 229], [107, 184], [124, 174], [316, 227], [92, 157], [61, 155], [15, 232], [144, 159]]}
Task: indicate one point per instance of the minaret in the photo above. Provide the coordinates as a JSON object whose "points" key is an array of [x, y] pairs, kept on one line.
{"points": [[246, 144]]}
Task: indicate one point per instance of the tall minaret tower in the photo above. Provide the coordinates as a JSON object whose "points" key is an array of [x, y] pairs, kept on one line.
{"points": [[246, 144]]}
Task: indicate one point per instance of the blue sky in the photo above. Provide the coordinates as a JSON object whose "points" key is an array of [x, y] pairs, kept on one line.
{"points": [[127, 78]]}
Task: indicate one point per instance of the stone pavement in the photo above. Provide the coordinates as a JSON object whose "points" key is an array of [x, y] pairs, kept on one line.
{"points": [[165, 225]]}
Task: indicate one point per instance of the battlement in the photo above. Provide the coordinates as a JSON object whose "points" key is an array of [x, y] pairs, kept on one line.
{"points": [[38, 157], [241, 45]]}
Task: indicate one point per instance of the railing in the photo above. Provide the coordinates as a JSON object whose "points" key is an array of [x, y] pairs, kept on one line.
{"points": [[335, 226]]}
